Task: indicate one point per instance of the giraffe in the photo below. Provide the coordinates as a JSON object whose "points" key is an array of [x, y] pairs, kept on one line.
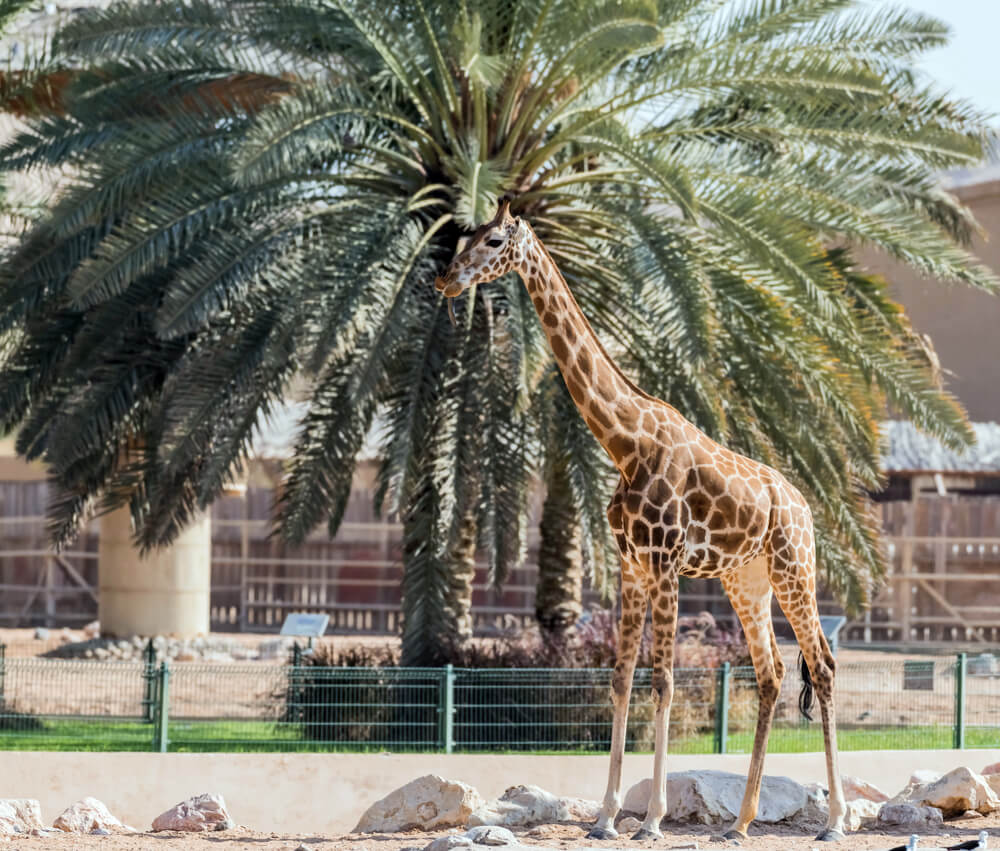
{"points": [[684, 506]]}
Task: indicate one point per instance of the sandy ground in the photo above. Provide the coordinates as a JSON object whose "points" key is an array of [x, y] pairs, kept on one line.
{"points": [[22, 642], [771, 838]]}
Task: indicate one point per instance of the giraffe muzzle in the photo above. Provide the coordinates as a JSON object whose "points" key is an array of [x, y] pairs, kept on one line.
{"points": [[450, 289]]}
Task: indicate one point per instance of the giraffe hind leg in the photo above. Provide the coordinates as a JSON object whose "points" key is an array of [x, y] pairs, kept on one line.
{"points": [[749, 591], [794, 585]]}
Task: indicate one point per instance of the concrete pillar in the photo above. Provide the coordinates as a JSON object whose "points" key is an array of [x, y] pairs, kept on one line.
{"points": [[164, 593]]}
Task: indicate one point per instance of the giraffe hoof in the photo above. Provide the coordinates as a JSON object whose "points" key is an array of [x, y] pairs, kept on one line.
{"points": [[643, 835], [734, 835], [830, 835], [602, 833]]}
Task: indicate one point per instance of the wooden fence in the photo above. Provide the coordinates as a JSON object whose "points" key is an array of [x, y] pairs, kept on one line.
{"points": [[943, 584]]}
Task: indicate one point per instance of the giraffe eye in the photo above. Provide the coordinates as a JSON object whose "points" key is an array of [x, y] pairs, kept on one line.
{"points": [[494, 243]]}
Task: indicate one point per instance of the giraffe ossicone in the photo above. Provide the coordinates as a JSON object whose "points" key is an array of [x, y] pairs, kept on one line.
{"points": [[684, 506]]}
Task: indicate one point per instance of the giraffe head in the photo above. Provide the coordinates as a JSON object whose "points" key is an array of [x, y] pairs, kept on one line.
{"points": [[494, 249]]}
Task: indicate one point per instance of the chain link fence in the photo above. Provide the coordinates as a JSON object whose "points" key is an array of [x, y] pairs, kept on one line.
{"points": [[86, 705]]}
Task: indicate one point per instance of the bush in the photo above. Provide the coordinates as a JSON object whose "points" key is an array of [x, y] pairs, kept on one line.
{"points": [[360, 695], [15, 721]]}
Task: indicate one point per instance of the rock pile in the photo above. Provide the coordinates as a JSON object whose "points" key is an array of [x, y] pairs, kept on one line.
{"points": [[199, 649], [705, 797], [91, 816], [957, 792]]}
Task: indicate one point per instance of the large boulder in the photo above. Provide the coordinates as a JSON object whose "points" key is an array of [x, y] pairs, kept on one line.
{"points": [[86, 816], [197, 814], [428, 803], [20, 815], [956, 792], [524, 806], [857, 789], [714, 797], [908, 816]]}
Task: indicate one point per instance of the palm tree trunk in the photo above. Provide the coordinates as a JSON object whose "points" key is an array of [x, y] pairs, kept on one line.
{"points": [[437, 586], [558, 593], [458, 598]]}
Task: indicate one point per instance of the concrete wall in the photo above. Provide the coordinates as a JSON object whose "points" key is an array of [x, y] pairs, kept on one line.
{"points": [[166, 592], [961, 321], [326, 793]]}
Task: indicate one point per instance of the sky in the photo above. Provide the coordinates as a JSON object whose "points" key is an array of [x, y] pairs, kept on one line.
{"points": [[968, 65]]}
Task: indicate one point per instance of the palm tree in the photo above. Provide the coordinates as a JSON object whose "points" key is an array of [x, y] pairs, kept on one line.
{"points": [[699, 171]]}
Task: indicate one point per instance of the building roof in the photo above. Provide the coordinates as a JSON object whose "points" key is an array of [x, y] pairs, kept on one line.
{"points": [[911, 451], [907, 449], [275, 438], [988, 171]]}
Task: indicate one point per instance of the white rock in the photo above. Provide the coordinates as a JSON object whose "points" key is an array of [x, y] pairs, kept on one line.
{"points": [[521, 806], [582, 809], [860, 812], [959, 790], [994, 781], [908, 816], [20, 815], [628, 825], [41, 634], [427, 803], [711, 797], [86, 816], [200, 813], [92, 630], [855, 788], [446, 843], [490, 835]]}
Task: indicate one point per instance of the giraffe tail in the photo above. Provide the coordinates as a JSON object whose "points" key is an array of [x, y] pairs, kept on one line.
{"points": [[806, 695]]}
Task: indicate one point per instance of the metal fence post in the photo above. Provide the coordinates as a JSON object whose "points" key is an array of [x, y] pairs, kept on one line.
{"points": [[160, 738], [3, 674], [294, 683], [722, 708], [960, 702], [149, 687], [446, 709]]}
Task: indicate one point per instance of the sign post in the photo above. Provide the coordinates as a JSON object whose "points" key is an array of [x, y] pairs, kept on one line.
{"points": [[305, 625]]}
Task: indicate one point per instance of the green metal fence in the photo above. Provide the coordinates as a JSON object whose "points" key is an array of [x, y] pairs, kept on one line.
{"points": [[88, 705]]}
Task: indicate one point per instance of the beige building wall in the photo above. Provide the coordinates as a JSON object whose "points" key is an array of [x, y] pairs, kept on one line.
{"points": [[963, 323]]}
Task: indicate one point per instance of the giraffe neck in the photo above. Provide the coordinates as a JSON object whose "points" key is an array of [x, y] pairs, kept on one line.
{"points": [[610, 404]]}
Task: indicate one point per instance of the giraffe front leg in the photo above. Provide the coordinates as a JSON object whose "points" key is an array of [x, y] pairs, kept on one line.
{"points": [[664, 600], [630, 635]]}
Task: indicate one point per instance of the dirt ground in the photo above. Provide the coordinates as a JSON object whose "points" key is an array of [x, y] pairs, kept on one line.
{"points": [[763, 838]]}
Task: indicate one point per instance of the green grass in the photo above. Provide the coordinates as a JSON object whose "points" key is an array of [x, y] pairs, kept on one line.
{"points": [[102, 734]]}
